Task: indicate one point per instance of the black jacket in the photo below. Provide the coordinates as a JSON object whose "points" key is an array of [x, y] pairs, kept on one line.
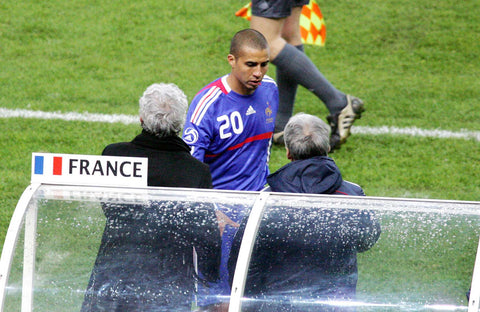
{"points": [[145, 260], [304, 253], [169, 160]]}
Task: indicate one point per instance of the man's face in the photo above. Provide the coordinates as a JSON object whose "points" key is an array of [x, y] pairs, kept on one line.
{"points": [[248, 70]]}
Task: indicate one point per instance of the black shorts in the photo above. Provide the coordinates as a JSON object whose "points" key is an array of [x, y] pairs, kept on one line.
{"points": [[275, 8]]}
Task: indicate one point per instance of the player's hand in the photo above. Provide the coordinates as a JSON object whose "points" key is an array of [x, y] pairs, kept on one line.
{"points": [[223, 221]]}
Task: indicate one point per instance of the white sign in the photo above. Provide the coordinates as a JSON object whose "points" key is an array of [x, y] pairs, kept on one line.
{"points": [[89, 170]]}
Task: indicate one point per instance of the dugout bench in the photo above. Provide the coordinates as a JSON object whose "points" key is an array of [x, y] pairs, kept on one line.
{"points": [[425, 258]]}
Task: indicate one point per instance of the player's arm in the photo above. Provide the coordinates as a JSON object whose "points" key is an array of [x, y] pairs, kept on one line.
{"points": [[197, 131], [192, 136], [198, 152]]}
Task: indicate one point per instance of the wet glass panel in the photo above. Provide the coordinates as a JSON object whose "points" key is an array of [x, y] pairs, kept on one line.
{"points": [[359, 254], [113, 249], [103, 248]]}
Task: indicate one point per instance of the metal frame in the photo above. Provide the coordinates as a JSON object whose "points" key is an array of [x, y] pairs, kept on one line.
{"points": [[473, 303], [11, 241], [245, 252]]}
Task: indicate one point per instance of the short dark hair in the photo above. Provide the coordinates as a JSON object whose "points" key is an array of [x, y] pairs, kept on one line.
{"points": [[247, 37]]}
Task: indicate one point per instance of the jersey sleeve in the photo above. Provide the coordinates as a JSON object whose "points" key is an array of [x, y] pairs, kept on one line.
{"points": [[198, 131]]}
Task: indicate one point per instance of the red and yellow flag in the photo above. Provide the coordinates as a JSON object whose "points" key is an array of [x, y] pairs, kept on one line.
{"points": [[312, 24]]}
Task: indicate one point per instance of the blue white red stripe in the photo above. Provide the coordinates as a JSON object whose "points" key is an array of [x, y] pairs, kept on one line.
{"points": [[216, 88], [204, 103]]}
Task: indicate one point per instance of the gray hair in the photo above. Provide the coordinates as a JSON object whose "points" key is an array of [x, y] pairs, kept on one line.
{"points": [[162, 109], [306, 136]]}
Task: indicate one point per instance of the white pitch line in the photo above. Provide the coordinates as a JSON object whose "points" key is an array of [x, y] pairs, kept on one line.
{"points": [[72, 116], [128, 119], [417, 132]]}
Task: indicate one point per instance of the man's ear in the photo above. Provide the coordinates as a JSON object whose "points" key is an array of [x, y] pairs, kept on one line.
{"points": [[288, 154], [231, 59]]}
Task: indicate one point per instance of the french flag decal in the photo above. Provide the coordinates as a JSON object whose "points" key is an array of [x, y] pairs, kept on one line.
{"points": [[40, 165]]}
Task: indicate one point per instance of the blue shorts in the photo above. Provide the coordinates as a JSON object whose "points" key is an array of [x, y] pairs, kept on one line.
{"points": [[275, 8]]}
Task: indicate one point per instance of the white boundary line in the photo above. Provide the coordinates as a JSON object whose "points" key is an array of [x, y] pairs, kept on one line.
{"points": [[417, 132], [128, 119], [72, 116]]}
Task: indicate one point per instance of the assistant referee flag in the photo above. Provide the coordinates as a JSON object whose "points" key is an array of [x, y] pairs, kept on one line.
{"points": [[312, 24]]}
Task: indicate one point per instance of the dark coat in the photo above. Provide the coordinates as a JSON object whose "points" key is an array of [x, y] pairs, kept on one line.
{"points": [[169, 161], [316, 175], [145, 260], [303, 253]]}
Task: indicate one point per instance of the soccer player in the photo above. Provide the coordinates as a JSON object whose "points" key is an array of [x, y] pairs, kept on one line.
{"points": [[229, 126], [230, 121]]}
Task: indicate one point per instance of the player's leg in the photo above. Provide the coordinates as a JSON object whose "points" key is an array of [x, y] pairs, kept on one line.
{"points": [[287, 86], [343, 110], [295, 65], [269, 18], [287, 90], [291, 27], [272, 29], [300, 68]]}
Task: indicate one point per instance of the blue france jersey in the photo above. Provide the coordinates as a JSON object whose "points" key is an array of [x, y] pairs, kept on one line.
{"points": [[232, 133]]}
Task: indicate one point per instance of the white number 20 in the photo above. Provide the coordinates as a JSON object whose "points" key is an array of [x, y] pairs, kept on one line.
{"points": [[235, 122]]}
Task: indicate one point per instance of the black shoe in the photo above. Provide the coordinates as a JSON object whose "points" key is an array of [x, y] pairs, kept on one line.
{"points": [[341, 123]]}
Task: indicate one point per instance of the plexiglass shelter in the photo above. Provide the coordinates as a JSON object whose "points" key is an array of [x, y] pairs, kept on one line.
{"points": [[352, 253]]}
